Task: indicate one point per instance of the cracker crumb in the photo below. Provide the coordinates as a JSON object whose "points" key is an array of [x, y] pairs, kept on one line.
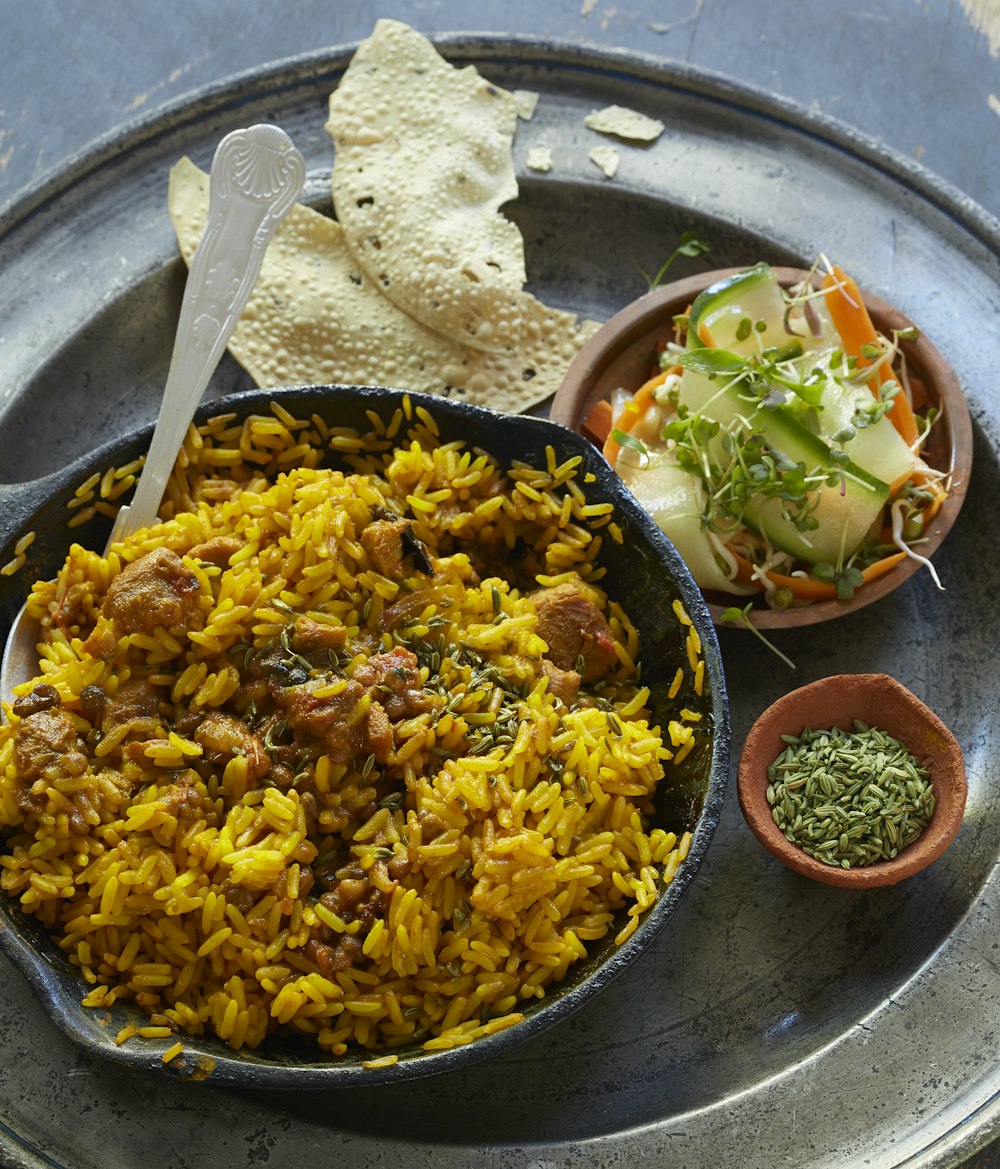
{"points": [[606, 159], [539, 158], [624, 123], [525, 102]]}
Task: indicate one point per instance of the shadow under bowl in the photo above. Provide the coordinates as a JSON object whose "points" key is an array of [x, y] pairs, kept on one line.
{"points": [[877, 700], [622, 354]]}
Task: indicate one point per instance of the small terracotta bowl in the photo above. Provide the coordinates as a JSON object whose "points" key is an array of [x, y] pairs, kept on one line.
{"points": [[622, 353], [877, 700]]}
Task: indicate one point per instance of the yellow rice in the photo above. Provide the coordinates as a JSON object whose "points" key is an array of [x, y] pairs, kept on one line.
{"points": [[545, 845]]}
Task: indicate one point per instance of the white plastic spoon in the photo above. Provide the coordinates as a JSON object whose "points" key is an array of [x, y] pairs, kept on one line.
{"points": [[257, 174]]}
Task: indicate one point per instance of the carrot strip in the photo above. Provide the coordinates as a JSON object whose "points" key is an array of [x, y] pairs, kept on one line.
{"points": [[852, 322], [807, 589], [640, 402], [596, 423], [918, 393]]}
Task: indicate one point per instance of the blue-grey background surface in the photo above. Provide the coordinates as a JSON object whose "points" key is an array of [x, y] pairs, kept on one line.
{"points": [[921, 77]]}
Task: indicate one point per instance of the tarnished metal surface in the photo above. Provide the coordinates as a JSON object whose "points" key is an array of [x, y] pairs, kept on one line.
{"points": [[774, 1021]]}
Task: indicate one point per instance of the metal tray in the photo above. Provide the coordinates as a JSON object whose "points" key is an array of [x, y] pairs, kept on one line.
{"points": [[775, 1021]]}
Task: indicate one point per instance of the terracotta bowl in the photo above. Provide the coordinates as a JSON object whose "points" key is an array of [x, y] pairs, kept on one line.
{"points": [[622, 354], [877, 700]]}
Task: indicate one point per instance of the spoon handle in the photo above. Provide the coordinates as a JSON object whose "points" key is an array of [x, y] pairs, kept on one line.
{"points": [[257, 174]]}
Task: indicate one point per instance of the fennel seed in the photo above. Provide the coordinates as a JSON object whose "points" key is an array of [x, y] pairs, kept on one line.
{"points": [[849, 798]]}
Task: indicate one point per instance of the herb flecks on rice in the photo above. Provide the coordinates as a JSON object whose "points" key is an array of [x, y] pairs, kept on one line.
{"points": [[343, 788]]}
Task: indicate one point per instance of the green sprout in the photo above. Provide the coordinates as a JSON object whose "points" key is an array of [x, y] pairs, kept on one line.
{"points": [[845, 579], [691, 245], [742, 617]]}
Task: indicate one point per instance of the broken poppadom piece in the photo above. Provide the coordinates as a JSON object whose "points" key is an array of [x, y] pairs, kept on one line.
{"points": [[606, 159], [624, 123]]}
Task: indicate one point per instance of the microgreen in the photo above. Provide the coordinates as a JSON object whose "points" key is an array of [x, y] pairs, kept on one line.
{"points": [[623, 438], [932, 415], [691, 245], [872, 412], [713, 362], [738, 616], [845, 580], [763, 375], [741, 466]]}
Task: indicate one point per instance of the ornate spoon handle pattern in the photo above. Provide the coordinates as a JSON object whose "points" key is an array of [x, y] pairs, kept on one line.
{"points": [[257, 174]]}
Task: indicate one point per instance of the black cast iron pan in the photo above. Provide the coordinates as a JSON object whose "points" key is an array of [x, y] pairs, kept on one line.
{"points": [[644, 573]]}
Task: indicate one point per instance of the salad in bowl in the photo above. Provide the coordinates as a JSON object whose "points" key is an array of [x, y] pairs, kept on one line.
{"points": [[797, 448]]}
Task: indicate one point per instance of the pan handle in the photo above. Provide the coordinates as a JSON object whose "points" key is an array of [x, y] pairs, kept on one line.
{"points": [[18, 501]]}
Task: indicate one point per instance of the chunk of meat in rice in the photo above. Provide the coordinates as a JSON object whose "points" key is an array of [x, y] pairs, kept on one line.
{"points": [[575, 631], [154, 590], [46, 747], [103, 641], [563, 684], [394, 680], [379, 733], [136, 701], [222, 737], [311, 636], [383, 541], [133, 713], [72, 603], [348, 723], [390, 541], [218, 550], [187, 800]]}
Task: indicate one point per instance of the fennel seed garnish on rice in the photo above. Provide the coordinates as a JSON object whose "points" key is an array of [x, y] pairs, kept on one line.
{"points": [[361, 755]]}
